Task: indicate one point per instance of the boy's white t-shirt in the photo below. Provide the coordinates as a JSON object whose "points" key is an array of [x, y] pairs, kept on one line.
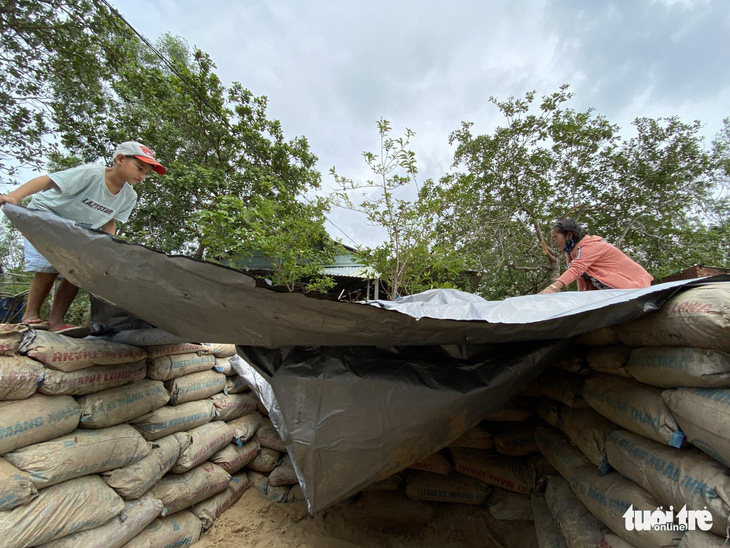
{"points": [[84, 197]]}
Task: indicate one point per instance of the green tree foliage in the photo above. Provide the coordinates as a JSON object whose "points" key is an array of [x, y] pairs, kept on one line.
{"points": [[101, 85], [410, 260], [646, 194], [42, 39]]}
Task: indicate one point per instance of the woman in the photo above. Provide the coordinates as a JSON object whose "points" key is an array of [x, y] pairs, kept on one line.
{"points": [[593, 262]]}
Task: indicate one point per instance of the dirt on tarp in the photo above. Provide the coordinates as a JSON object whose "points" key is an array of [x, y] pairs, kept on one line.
{"points": [[257, 522]]}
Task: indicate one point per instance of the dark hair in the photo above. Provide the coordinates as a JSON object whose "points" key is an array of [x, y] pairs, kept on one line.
{"points": [[569, 225]]}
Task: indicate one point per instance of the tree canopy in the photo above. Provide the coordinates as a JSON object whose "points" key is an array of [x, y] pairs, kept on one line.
{"points": [[95, 84], [649, 195]]}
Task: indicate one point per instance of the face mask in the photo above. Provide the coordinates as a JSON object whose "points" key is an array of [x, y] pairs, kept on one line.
{"points": [[569, 245]]}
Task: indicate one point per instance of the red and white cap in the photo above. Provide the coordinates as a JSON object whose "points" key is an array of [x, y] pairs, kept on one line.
{"points": [[142, 153]]}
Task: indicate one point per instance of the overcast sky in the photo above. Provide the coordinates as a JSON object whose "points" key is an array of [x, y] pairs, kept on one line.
{"points": [[331, 69]]}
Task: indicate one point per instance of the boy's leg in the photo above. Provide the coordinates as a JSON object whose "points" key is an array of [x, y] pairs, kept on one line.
{"points": [[40, 287], [62, 298]]}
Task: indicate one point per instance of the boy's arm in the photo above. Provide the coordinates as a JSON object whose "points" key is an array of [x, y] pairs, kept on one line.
{"points": [[39, 184], [110, 227]]}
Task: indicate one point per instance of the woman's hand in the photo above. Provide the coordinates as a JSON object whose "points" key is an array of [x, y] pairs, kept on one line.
{"points": [[552, 288]]}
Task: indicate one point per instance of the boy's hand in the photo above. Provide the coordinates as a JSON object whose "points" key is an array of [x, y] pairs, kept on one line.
{"points": [[5, 199]]}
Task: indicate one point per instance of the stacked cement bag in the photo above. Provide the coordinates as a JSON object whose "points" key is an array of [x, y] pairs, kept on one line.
{"points": [[109, 444], [50, 487], [647, 463]]}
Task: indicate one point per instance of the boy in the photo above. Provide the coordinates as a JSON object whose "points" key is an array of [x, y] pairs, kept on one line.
{"points": [[94, 195]]}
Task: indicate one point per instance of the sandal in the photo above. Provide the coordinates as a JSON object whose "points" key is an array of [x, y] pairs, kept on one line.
{"points": [[36, 324], [71, 330]]}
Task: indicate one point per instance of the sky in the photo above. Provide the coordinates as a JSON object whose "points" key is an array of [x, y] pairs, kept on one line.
{"points": [[331, 69]]}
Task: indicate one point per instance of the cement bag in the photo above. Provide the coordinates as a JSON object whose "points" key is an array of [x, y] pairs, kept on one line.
{"points": [[232, 406], [549, 411], [80, 453], [19, 377], [635, 406], [224, 365], [16, 487], [588, 430], [517, 474], [267, 436], [221, 350], [509, 532], [701, 539], [69, 507], [133, 481], [210, 509], [572, 361], [68, 354], [440, 488], [245, 427], [670, 366], [195, 386], [11, 337], [92, 379], [260, 482], [233, 457], [704, 414], [180, 529], [610, 359], [697, 317], [121, 404], [35, 419], [208, 439], [507, 505], [235, 384], [677, 477], [516, 409], [516, 440], [563, 386], [179, 491], [530, 390], [546, 530], [475, 438], [265, 460], [296, 494], [116, 532], [391, 483], [389, 509], [610, 540], [438, 463], [174, 349], [602, 336], [165, 368], [579, 527], [610, 496], [559, 451], [168, 420], [284, 473]]}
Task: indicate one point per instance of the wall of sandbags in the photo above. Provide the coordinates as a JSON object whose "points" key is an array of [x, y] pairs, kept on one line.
{"points": [[110, 444], [104, 443], [634, 416]]}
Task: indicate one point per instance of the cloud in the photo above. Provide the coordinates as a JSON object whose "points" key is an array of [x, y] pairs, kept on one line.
{"points": [[331, 69]]}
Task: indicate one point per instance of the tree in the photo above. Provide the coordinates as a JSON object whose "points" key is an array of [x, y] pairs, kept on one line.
{"points": [[410, 260], [101, 85], [644, 194], [516, 182], [40, 38]]}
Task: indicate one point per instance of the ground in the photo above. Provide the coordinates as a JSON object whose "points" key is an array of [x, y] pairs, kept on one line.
{"points": [[257, 522]]}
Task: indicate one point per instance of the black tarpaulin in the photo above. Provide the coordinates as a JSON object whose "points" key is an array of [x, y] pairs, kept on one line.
{"points": [[362, 390]]}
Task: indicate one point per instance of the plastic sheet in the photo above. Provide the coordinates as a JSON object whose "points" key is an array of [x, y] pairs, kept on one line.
{"points": [[357, 391]]}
